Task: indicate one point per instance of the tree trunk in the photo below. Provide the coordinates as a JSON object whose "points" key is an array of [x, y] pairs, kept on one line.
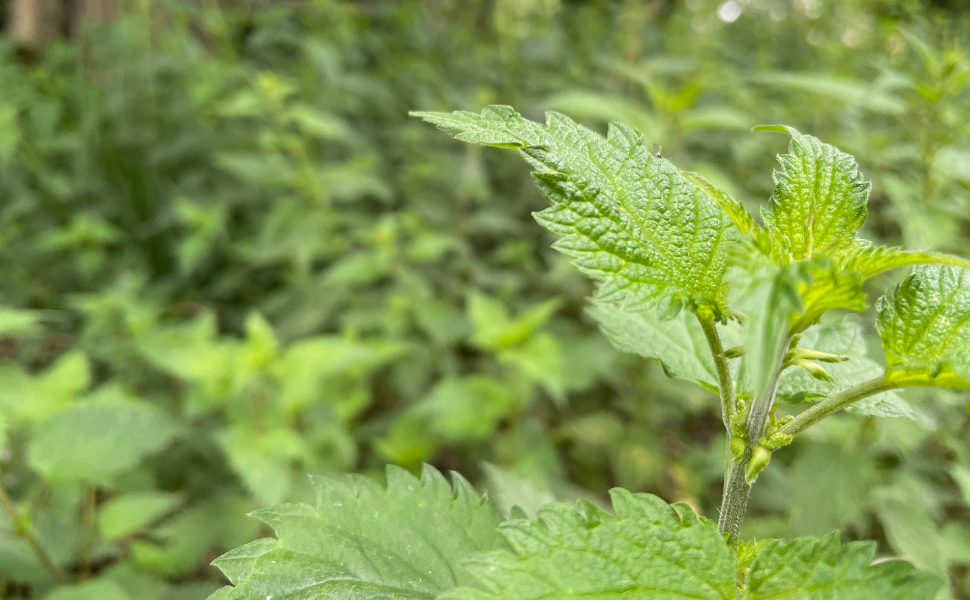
{"points": [[34, 23]]}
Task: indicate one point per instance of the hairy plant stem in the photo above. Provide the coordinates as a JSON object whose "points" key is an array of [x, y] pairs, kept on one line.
{"points": [[837, 402], [737, 490], [736, 487], [734, 501], [26, 531], [729, 406]]}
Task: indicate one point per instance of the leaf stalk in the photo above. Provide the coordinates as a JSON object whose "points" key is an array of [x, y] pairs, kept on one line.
{"points": [[837, 402], [729, 404]]}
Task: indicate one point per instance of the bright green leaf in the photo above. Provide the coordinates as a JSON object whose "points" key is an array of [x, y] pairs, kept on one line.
{"points": [[406, 541], [35, 399], [738, 214], [924, 322], [261, 343], [768, 298], [629, 219], [15, 322], [822, 287], [310, 368], [819, 200]]}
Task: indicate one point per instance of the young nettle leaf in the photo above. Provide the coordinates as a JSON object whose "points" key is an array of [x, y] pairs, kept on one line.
{"points": [[407, 540], [809, 569], [768, 298], [819, 200], [817, 207], [628, 218], [648, 550], [924, 322], [822, 287], [871, 261]]}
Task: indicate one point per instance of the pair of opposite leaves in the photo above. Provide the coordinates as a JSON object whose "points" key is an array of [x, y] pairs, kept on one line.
{"points": [[421, 538]]}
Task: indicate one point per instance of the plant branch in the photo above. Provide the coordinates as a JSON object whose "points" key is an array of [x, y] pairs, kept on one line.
{"points": [[729, 406], [837, 402], [26, 531]]}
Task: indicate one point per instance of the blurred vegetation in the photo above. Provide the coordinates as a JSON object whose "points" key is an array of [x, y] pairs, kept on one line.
{"points": [[228, 258]]}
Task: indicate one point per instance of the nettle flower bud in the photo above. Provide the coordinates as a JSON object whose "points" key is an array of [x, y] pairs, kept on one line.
{"points": [[760, 458]]}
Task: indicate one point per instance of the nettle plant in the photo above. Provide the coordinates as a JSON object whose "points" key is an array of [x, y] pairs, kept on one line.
{"points": [[688, 277]]}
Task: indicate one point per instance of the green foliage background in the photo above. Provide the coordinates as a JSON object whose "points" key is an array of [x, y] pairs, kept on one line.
{"points": [[228, 258]]}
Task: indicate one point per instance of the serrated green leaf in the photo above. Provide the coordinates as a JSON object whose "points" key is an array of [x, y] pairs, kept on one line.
{"points": [[648, 550], [871, 261], [924, 322], [93, 443], [819, 200], [678, 343], [841, 336], [629, 219], [813, 569], [363, 540], [236, 563]]}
